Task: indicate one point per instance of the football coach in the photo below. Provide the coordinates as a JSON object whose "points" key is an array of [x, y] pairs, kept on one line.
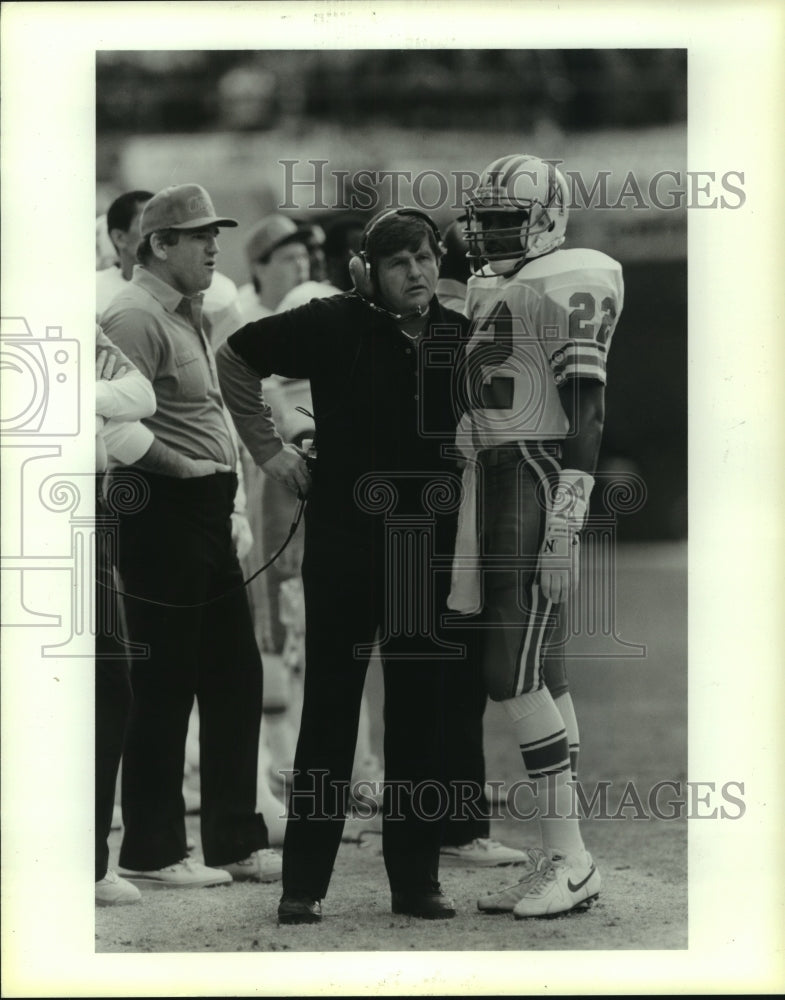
{"points": [[374, 403]]}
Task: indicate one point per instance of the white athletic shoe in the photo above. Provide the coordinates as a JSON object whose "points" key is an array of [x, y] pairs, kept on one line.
{"points": [[261, 866], [504, 900], [559, 888], [482, 852], [112, 890], [185, 874]]}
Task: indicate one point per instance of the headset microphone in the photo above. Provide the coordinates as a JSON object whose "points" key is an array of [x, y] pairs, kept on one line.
{"points": [[400, 317]]}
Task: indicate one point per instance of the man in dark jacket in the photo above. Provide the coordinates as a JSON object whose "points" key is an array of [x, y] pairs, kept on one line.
{"points": [[380, 526]]}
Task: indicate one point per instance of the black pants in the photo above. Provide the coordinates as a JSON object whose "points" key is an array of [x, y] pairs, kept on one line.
{"points": [[177, 549], [465, 699], [112, 689], [347, 599]]}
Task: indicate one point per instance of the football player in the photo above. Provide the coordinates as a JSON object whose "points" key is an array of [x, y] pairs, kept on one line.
{"points": [[533, 383]]}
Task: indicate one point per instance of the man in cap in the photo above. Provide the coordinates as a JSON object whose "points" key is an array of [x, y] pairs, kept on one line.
{"points": [[185, 599], [121, 223], [277, 253]]}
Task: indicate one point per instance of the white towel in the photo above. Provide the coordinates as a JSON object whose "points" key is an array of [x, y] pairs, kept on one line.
{"points": [[465, 583]]}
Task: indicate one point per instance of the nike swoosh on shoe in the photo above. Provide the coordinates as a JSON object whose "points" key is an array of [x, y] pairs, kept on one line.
{"points": [[573, 887]]}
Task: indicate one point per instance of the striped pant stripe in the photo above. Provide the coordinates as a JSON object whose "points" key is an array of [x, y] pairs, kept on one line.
{"points": [[529, 676]]}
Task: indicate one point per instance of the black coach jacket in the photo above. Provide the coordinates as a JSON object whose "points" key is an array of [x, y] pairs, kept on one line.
{"points": [[385, 408]]}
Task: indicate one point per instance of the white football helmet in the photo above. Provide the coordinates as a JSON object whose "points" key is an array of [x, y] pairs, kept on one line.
{"points": [[534, 194]]}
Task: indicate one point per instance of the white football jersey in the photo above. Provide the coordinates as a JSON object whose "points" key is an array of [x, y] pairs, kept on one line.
{"points": [[532, 332]]}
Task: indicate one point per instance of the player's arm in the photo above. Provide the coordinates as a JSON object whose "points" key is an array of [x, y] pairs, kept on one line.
{"points": [[583, 402], [588, 315]]}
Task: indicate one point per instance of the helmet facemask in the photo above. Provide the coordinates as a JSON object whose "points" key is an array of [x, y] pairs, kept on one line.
{"points": [[518, 212]]}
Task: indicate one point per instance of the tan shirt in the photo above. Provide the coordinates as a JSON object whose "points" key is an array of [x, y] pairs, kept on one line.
{"points": [[161, 331]]}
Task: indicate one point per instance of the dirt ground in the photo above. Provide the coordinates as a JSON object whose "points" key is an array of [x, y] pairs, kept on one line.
{"points": [[641, 906], [632, 710]]}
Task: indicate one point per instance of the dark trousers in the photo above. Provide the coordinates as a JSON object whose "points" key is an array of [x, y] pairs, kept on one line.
{"points": [[347, 600], [465, 699], [112, 690], [177, 549]]}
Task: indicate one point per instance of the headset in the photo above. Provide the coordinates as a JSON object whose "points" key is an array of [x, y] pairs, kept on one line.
{"points": [[360, 266]]}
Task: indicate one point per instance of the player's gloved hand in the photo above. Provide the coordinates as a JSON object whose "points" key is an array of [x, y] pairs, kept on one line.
{"points": [[558, 564], [241, 535]]}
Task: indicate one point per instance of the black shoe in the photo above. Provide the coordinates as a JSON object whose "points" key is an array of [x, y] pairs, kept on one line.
{"points": [[427, 905], [299, 910]]}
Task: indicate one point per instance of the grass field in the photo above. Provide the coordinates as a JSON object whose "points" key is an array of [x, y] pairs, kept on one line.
{"points": [[633, 717]]}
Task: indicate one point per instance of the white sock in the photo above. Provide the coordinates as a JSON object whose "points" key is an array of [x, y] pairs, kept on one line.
{"points": [[567, 712], [542, 738]]}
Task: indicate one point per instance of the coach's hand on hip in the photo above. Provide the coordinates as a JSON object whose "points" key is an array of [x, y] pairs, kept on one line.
{"points": [[288, 466], [196, 468]]}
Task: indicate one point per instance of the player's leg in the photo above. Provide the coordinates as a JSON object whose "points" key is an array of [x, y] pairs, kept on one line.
{"points": [[520, 622], [555, 674]]}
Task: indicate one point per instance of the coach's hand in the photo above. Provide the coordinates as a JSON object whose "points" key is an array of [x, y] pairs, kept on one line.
{"points": [[558, 566], [196, 468], [288, 466]]}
